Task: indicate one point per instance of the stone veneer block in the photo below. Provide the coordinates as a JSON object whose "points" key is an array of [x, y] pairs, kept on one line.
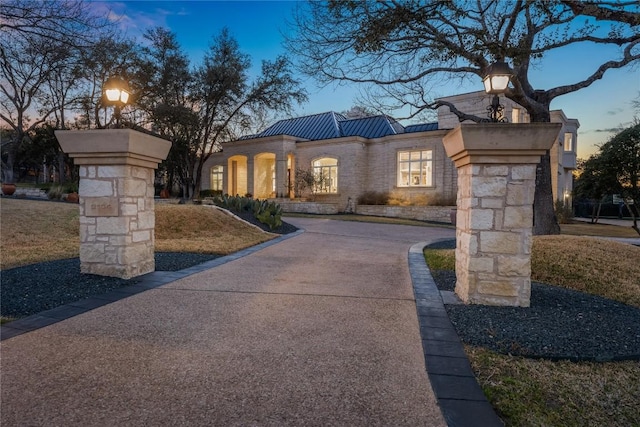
{"points": [[116, 165], [496, 183]]}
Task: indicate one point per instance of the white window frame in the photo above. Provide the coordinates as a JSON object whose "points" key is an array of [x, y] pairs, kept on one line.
{"points": [[415, 168], [329, 171], [568, 142], [217, 171]]}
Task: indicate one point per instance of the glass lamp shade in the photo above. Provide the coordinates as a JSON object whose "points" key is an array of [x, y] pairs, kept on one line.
{"points": [[497, 78], [116, 90]]}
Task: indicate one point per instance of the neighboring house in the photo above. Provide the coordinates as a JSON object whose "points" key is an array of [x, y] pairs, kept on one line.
{"points": [[366, 154], [564, 149]]}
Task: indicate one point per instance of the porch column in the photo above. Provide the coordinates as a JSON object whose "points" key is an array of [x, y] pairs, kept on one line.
{"points": [[250, 175], [117, 208], [281, 175], [496, 183]]}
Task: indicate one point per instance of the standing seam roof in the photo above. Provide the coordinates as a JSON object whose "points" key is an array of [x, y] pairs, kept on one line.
{"points": [[334, 125]]}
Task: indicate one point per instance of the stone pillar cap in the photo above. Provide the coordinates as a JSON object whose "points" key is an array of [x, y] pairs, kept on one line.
{"points": [[500, 143], [113, 147]]}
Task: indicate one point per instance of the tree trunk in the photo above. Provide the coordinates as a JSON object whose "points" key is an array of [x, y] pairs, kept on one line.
{"points": [[62, 170], [633, 216], [544, 216]]}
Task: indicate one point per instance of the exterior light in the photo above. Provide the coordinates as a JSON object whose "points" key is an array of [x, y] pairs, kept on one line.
{"points": [[116, 92], [495, 82]]}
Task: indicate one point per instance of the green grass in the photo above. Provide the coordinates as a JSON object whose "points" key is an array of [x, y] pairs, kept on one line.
{"points": [[440, 259]]}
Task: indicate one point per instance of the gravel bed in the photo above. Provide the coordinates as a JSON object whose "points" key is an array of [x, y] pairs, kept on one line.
{"points": [[34, 288], [560, 324]]}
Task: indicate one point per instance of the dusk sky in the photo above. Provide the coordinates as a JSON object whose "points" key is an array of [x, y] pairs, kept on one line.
{"points": [[259, 26]]}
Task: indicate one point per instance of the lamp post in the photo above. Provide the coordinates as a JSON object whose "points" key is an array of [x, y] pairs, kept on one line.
{"points": [[116, 92], [495, 82]]}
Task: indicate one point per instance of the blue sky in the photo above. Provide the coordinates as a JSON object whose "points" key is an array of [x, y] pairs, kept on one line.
{"points": [[259, 26]]}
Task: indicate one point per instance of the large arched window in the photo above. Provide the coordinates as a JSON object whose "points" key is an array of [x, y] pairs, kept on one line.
{"points": [[326, 173], [216, 177]]}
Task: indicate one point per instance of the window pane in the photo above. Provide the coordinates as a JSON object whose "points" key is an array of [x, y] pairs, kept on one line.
{"points": [[415, 168], [568, 142], [326, 172]]}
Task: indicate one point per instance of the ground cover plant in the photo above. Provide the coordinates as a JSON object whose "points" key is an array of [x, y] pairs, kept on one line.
{"points": [[537, 392]]}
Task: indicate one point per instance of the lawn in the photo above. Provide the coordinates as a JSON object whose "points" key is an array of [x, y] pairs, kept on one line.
{"points": [[37, 231], [528, 392]]}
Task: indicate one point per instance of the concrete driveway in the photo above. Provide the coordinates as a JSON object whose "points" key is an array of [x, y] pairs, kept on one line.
{"points": [[319, 329]]}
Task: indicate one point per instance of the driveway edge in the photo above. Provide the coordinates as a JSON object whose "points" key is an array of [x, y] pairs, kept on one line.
{"points": [[460, 397]]}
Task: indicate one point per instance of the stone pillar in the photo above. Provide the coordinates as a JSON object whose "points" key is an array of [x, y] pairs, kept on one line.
{"points": [[117, 208], [496, 183]]}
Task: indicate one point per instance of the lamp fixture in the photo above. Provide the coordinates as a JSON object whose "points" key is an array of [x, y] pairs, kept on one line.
{"points": [[495, 82], [117, 93]]}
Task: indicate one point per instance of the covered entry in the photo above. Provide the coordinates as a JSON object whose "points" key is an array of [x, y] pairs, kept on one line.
{"points": [[237, 175], [264, 176]]}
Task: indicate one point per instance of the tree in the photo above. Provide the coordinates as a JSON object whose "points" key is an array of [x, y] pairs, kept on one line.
{"points": [[111, 55], [165, 81], [71, 23], [358, 112], [615, 169], [620, 165], [593, 184], [26, 67], [401, 49], [39, 43], [226, 100]]}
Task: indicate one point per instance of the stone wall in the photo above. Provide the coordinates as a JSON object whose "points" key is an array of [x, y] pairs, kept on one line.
{"points": [[32, 193], [308, 207], [421, 213]]}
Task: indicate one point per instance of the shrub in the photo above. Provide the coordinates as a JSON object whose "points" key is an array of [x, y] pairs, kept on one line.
{"points": [[563, 212], [71, 187], [210, 193], [269, 213], [373, 198], [55, 192]]}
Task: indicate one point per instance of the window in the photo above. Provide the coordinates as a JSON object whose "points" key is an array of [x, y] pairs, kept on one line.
{"points": [[216, 178], [568, 141], [415, 168], [326, 174], [515, 115]]}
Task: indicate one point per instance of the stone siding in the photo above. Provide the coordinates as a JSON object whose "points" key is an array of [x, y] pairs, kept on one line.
{"points": [[421, 213], [31, 193], [308, 207], [117, 219]]}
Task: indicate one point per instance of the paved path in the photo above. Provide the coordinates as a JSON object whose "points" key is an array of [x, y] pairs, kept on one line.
{"points": [[319, 329]]}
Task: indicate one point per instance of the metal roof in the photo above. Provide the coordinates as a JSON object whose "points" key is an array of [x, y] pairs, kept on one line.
{"points": [[334, 125], [422, 127]]}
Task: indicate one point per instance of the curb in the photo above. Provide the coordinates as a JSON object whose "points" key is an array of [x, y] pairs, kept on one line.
{"points": [[460, 397]]}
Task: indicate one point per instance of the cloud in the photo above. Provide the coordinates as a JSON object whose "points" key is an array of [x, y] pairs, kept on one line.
{"points": [[609, 130], [615, 111], [132, 17]]}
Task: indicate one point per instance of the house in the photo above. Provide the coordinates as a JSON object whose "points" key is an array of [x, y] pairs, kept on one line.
{"points": [[374, 153]]}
